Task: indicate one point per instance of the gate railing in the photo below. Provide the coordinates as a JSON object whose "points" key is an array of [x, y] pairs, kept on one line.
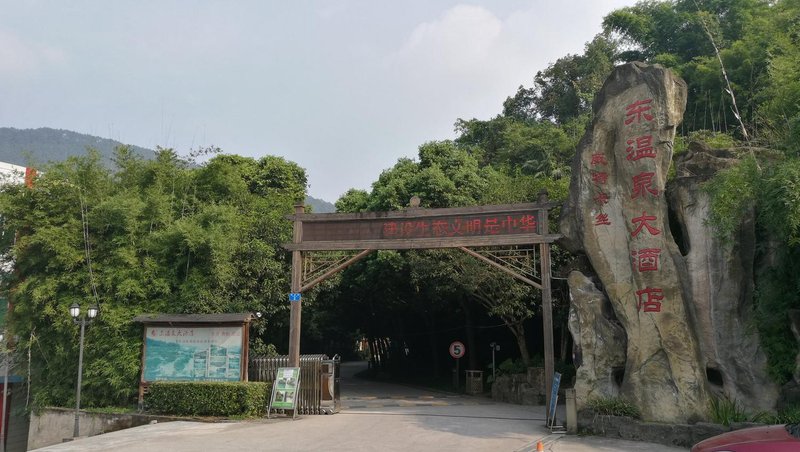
{"points": [[319, 378]]}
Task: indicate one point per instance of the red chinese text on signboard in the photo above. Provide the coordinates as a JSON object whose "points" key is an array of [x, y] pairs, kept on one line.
{"points": [[461, 227]]}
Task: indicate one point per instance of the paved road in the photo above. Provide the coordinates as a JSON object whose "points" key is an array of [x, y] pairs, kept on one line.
{"points": [[375, 417]]}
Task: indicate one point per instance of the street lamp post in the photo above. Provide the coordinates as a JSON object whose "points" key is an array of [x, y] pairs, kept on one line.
{"points": [[75, 312], [495, 347]]}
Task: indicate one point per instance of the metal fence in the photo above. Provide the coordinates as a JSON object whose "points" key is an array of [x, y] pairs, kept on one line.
{"points": [[319, 380]]}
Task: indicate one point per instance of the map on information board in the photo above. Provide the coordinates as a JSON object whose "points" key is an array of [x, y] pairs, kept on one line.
{"points": [[193, 353]]}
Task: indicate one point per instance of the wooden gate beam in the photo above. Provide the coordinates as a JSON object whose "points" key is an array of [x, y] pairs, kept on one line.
{"points": [[502, 268], [335, 270]]}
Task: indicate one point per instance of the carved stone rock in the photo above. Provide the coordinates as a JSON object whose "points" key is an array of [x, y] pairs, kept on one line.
{"points": [[617, 215]]}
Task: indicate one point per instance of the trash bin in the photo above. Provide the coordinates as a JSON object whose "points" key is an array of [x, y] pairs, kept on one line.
{"points": [[474, 381]]}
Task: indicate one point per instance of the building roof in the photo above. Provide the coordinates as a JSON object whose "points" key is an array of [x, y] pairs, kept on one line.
{"points": [[239, 317]]}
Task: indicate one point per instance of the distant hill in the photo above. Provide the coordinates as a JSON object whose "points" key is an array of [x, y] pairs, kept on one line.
{"points": [[34, 147], [319, 205]]}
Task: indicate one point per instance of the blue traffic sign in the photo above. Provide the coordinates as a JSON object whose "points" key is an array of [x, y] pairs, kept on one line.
{"points": [[294, 297]]}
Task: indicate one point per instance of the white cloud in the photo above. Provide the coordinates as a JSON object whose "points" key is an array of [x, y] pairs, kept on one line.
{"points": [[462, 39], [20, 59]]}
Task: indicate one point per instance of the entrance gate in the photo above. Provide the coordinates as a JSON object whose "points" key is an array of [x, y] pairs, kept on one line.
{"points": [[324, 244]]}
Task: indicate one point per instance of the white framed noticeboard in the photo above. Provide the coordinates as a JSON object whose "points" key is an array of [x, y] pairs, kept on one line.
{"points": [[285, 390]]}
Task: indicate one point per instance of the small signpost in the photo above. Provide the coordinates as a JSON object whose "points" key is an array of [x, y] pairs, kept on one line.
{"points": [[285, 390], [457, 350], [551, 412]]}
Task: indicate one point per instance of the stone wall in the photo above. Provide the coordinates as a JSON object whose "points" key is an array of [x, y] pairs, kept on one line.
{"points": [[55, 425], [521, 389]]}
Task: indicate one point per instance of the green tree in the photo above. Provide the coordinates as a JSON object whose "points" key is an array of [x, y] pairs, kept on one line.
{"points": [[153, 236]]}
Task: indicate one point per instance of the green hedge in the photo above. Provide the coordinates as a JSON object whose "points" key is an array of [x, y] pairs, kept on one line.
{"points": [[208, 398]]}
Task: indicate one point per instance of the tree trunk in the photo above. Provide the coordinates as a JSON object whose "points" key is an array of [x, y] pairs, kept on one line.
{"points": [[519, 334]]}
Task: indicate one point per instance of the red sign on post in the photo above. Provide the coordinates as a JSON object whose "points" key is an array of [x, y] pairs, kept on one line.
{"points": [[457, 349]]}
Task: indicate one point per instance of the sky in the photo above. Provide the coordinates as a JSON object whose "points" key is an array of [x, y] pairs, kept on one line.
{"points": [[344, 88]]}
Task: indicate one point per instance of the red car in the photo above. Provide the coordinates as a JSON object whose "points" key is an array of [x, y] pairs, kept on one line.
{"points": [[773, 438]]}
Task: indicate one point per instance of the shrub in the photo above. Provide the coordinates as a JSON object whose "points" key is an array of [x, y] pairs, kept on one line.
{"points": [[725, 411], [512, 366], [208, 398], [614, 406]]}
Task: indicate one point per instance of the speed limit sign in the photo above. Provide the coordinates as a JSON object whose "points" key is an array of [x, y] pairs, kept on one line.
{"points": [[457, 349]]}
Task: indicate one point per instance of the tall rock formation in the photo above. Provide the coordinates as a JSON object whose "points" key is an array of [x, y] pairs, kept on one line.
{"points": [[617, 215], [720, 283]]}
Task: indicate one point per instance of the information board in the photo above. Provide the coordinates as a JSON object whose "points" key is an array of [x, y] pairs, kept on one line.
{"points": [[285, 389], [183, 353]]}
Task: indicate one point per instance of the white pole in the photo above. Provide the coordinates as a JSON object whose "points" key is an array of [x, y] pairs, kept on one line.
{"points": [[5, 395]]}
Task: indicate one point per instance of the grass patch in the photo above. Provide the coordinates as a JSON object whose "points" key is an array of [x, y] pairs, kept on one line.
{"points": [[614, 406]]}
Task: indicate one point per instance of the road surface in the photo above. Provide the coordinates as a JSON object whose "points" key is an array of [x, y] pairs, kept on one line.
{"points": [[375, 417]]}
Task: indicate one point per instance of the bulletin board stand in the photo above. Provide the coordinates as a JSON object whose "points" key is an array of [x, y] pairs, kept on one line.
{"points": [[285, 390]]}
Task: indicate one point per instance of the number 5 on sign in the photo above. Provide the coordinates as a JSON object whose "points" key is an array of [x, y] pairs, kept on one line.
{"points": [[457, 349]]}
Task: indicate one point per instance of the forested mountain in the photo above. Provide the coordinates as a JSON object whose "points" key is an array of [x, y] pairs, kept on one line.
{"points": [[34, 147]]}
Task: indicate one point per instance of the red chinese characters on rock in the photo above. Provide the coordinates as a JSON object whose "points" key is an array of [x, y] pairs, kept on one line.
{"points": [[643, 224], [601, 219], [638, 111], [461, 227], [640, 147], [649, 299], [600, 178], [643, 184], [599, 159], [646, 259]]}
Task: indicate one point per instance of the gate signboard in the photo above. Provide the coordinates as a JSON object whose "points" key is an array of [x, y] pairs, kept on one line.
{"points": [[285, 389], [424, 228]]}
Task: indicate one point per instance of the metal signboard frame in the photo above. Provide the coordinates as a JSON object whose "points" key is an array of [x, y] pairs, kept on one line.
{"points": [[285, 390]]}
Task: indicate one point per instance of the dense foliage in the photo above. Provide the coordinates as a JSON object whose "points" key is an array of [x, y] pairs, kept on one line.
{"points": [[208, 398], [154, 236]]}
